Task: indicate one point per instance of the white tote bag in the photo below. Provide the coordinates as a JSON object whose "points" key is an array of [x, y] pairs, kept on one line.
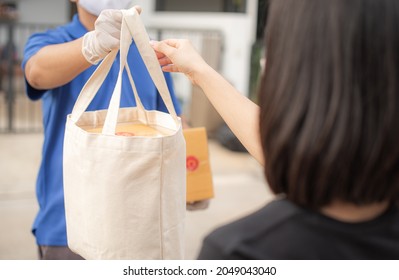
{"points": [[125, 196]]}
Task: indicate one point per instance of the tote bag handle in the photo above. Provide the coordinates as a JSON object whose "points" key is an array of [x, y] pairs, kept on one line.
{"points": [[141, 38], [132, 27], [92, 86]]}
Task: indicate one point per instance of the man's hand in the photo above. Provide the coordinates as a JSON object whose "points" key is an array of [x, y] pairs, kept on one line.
{"points": [[197, 205], [105, 37]]}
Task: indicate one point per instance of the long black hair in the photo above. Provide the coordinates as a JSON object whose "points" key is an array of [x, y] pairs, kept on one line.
{"points": [[329, 101]]}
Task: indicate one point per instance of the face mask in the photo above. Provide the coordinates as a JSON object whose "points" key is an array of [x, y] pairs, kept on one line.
{"points": [[96, 6]]}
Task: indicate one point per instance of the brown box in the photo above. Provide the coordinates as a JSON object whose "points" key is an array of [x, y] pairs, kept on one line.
{"points": [[199, 175]]}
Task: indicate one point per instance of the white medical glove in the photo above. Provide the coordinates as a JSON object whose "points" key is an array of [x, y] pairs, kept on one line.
{"points": [[105, 36]]}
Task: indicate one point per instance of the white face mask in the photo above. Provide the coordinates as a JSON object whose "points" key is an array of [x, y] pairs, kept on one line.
{"points": [[96, 6]]}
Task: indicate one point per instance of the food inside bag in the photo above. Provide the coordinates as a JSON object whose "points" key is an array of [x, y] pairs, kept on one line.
{"points": [[134, 129]]}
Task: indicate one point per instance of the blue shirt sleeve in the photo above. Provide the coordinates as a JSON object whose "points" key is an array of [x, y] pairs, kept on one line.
{"points": [[35, 43]]}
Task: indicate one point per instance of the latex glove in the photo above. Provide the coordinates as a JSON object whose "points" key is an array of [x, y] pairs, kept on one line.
{"points": [[105, 36]]}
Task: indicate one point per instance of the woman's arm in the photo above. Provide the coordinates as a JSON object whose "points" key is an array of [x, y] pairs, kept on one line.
{"points": [[240, 113]]}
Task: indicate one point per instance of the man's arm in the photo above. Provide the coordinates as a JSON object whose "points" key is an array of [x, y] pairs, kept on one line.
{"points": [[56, 65]]}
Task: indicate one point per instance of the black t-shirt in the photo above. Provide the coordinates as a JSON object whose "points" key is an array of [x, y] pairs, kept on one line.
{"points": [[284, 231]]}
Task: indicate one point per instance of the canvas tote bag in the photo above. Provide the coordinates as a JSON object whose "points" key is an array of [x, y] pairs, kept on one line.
{"points": [[125, 196]]}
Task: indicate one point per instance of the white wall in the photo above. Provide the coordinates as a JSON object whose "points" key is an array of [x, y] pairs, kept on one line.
{"points": [[239, 32], [43, 11]]}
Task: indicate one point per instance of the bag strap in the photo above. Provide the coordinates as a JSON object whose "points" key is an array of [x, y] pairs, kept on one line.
{"points": [[92, 86], [132, 27], [141, 38]]}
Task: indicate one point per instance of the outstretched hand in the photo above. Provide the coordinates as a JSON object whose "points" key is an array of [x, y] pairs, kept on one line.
{"points": [[179, 55]]}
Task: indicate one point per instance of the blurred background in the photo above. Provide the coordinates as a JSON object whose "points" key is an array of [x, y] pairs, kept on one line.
{"points": [[228, 33]]}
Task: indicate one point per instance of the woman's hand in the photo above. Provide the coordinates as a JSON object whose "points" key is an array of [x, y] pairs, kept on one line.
{"points": [[179, 55]]}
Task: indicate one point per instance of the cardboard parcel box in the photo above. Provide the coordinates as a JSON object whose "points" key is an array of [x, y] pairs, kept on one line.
{"points": [[199, 175]]}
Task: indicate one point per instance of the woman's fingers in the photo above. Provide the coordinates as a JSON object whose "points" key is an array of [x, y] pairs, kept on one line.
{"points": [[164, 61], [169, 68]]}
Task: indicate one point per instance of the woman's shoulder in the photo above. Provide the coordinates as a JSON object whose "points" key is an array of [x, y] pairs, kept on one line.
{"points": [[283, 230], [268, 217], [269, 222]]}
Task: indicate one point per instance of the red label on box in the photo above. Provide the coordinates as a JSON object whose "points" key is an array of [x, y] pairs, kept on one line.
{"points": [[192, 163]]}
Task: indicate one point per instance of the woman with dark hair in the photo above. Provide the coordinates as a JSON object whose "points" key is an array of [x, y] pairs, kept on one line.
{"points": [[326, 131]]}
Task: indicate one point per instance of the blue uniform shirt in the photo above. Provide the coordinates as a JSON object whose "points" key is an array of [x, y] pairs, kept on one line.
{"points": [[49, 226]]}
